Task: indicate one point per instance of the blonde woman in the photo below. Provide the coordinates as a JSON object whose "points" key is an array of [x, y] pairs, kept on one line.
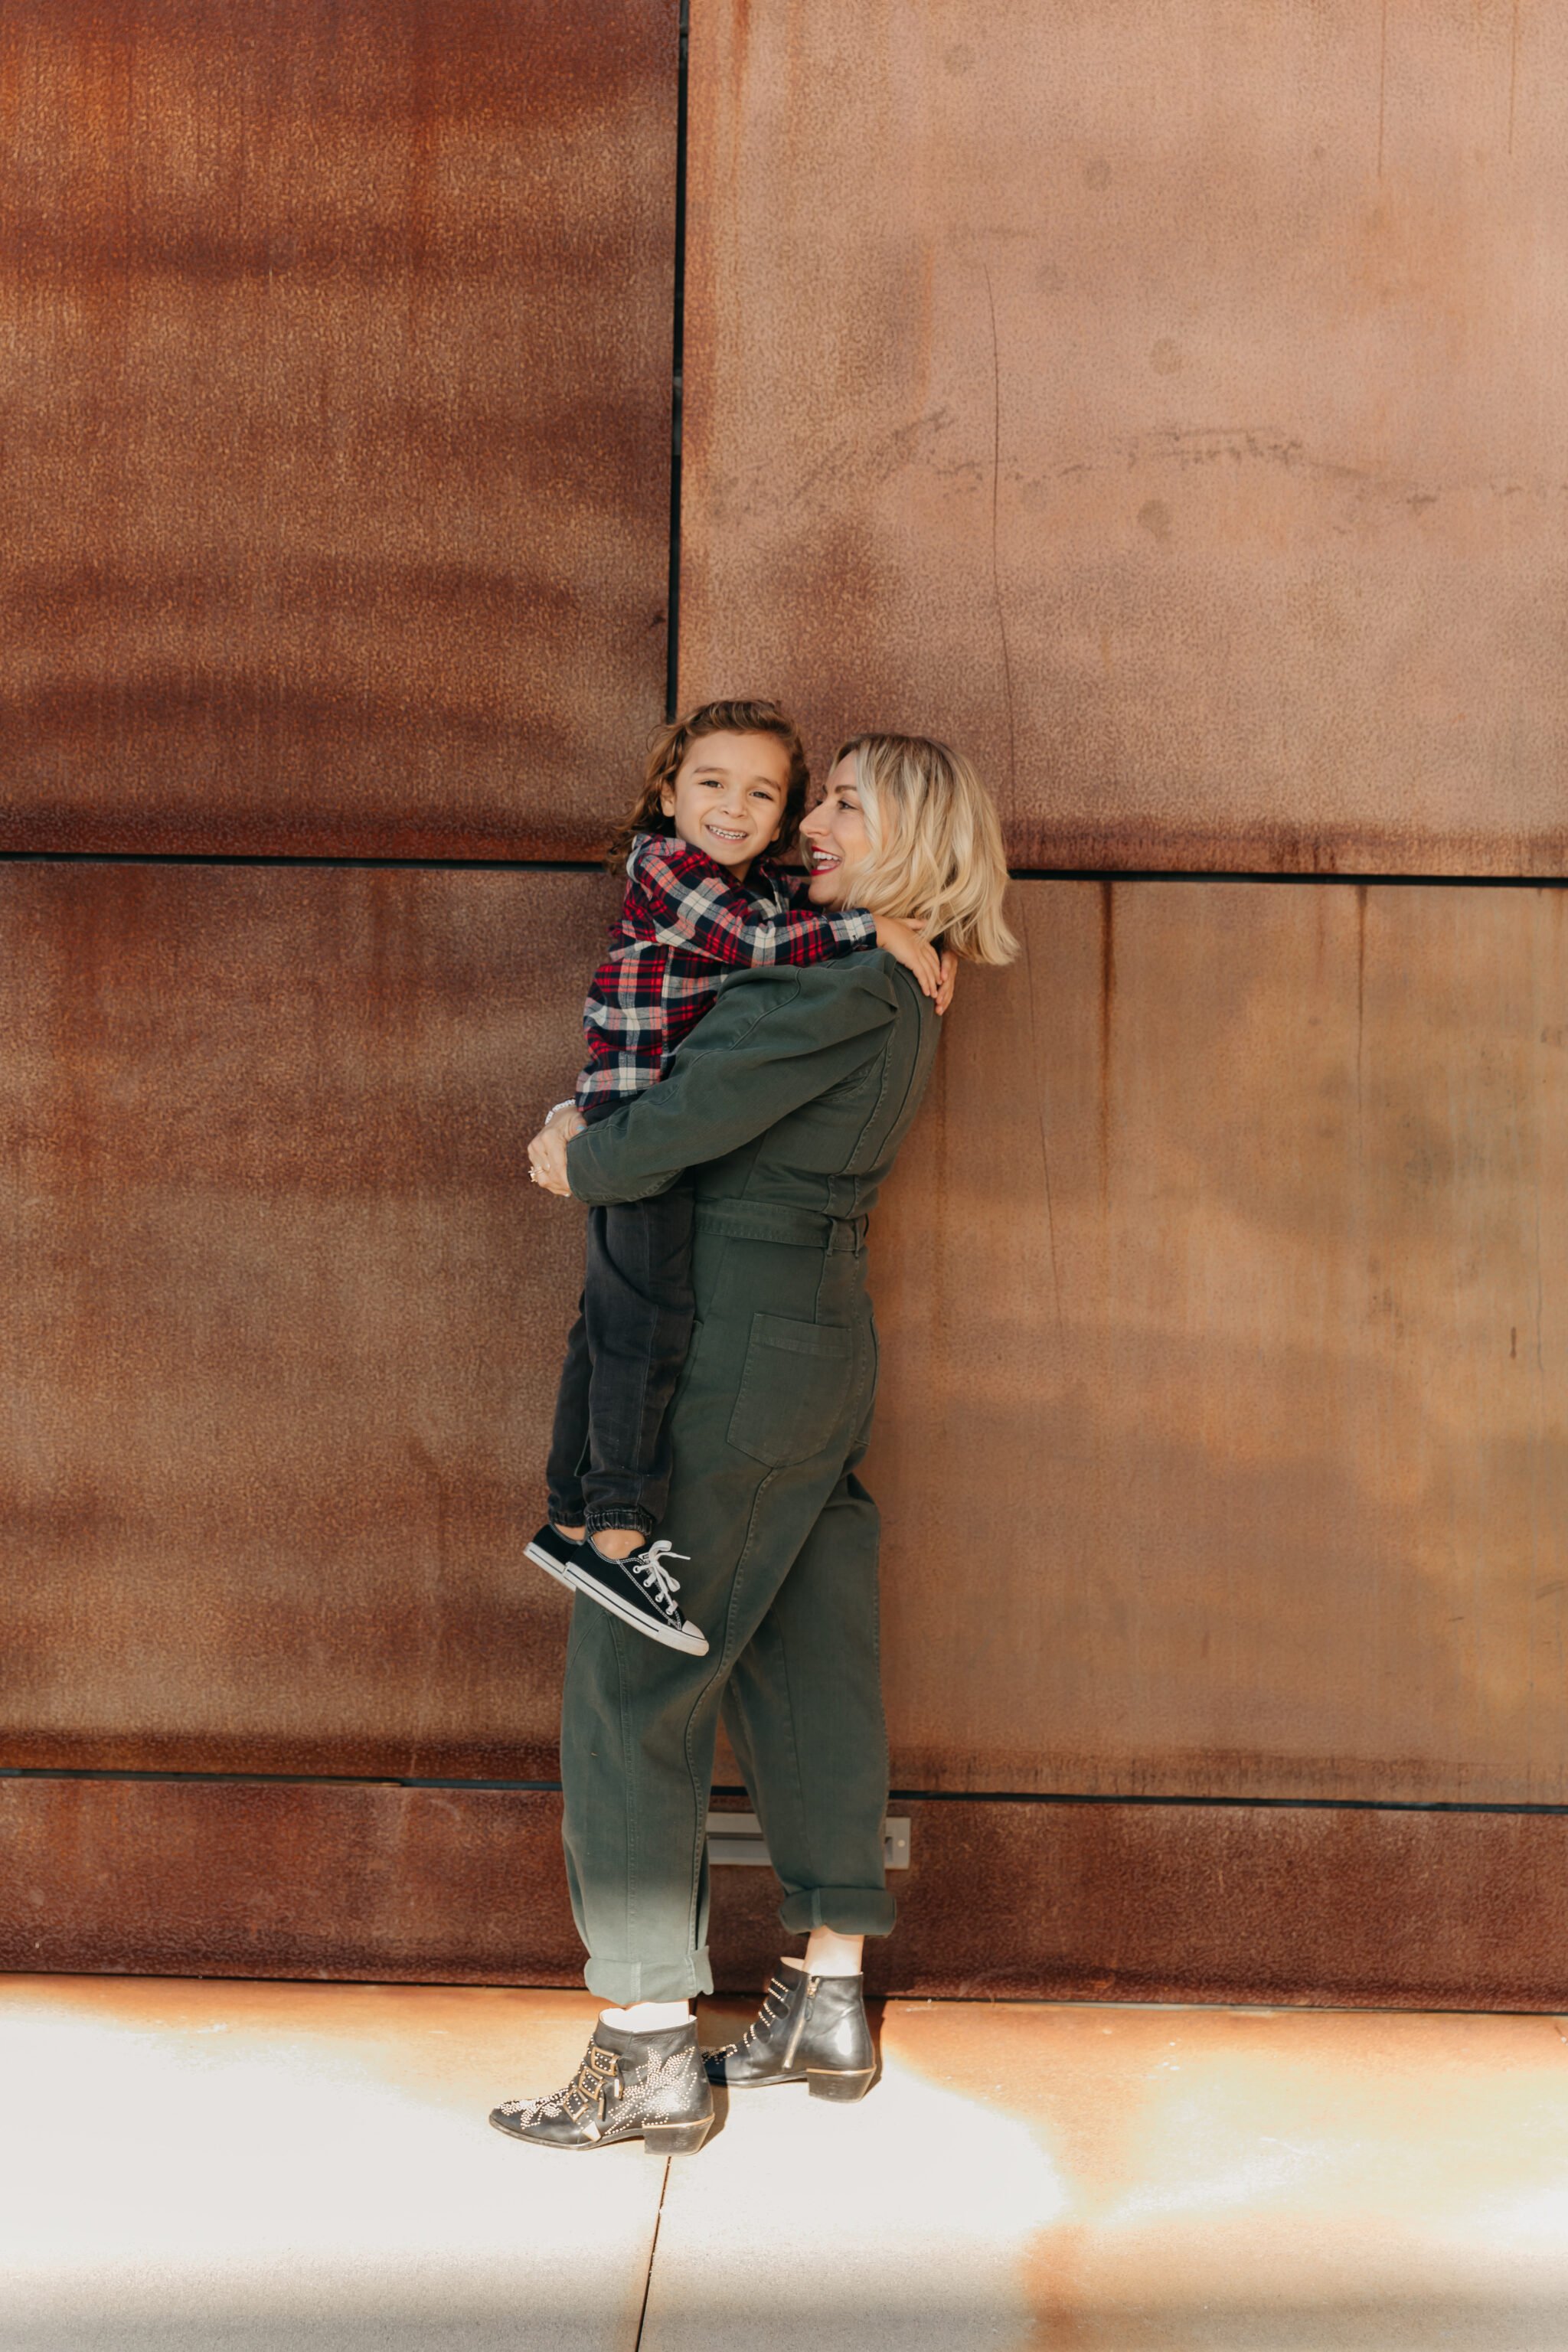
{"points": [[789, 1102]]}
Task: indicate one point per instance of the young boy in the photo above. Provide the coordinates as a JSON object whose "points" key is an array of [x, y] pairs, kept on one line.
{"points": [[724, 786]]}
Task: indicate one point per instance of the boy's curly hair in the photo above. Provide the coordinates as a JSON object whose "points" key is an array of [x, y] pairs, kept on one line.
{"points": [[670, 745]]}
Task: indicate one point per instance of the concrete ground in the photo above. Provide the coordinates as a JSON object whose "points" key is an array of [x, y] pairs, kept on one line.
{"points": [[270, 2167]]}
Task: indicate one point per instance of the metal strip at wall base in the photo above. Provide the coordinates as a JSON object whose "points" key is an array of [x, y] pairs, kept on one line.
{"points": [[738, 1838], [1355, 1907]]}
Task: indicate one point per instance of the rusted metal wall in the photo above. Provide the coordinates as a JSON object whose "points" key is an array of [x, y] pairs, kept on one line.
{"points": [[1221, 1351], [1215, 1292], [335, 407], [1167, 404], [1162, 404], [283, 1318], [306, 1878]]}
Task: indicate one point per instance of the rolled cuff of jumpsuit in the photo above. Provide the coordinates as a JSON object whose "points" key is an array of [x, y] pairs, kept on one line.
{"points": [[847, 1910], [626, 1982]]}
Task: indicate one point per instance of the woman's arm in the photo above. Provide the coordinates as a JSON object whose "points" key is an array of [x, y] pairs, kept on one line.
{"points": [[775, 1040]]}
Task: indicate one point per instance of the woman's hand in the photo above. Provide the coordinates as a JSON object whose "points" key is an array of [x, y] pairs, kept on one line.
{"points": [[949, 974], [547, 1152], [904, 944]]}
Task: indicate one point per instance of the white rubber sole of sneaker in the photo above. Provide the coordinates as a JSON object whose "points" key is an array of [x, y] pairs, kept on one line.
{"points": [[694, 1648]]}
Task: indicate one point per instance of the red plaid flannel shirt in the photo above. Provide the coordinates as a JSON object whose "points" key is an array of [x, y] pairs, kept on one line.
{"points": [[683, 925]]}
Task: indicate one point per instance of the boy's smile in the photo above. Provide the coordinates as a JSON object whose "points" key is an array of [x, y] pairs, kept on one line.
{"points": [[728, 797]]}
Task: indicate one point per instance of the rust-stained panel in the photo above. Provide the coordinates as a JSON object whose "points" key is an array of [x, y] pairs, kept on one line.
{"points": [[282, 1316], [335, 409], [1167, 404], [1215, 1292], [285, 1878], [1352, 1908], [1223, 1440]]}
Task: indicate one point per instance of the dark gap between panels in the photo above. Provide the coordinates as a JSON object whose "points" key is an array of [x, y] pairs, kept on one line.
{"points": [[895, 1796], [677, 373], [1096, 875]]}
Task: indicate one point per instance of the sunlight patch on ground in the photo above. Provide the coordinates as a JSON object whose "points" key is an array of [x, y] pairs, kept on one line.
{"points": [[226, 2181], [230, 2168], [896, 2223]]}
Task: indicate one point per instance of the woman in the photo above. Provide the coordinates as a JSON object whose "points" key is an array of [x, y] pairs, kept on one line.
{"points": [[789, 1100]]}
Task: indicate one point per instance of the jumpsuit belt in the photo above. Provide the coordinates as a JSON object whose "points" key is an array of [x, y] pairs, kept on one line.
{"points": [[767, 1220]]}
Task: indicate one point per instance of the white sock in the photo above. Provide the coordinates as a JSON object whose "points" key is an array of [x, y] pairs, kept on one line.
{"points": [[647, 2017]]}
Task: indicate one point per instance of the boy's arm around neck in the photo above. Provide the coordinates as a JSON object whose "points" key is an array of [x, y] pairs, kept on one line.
{"points": [[693, 903]]}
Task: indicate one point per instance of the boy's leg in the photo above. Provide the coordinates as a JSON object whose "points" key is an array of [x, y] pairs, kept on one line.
{"points": [[568, 1455], [638, 1311]]}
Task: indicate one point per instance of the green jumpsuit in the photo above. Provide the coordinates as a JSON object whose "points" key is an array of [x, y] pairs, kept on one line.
{"points": [[788, 1102]]}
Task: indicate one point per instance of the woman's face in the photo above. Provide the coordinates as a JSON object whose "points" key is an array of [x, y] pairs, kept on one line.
{"points": [[834, 840]]}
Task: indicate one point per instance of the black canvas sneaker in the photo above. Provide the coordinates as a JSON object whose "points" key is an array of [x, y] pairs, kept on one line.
{"points": [[646, 2086], [639, 1591]]}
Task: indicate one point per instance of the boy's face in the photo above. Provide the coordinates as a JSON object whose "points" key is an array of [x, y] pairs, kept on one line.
{"points": [[728, 797]]}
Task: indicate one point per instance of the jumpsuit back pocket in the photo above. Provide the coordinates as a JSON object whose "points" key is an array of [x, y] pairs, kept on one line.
{"points": [[795, 1391]]}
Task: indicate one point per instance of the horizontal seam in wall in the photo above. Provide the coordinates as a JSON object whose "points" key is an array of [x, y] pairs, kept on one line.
{"points": [[1100, 874], [895, 1797], [595, 866], [370, 864], [1092, 874]]}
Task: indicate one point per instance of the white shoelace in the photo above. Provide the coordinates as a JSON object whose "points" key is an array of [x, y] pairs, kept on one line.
{"points": [[649, 1566]]}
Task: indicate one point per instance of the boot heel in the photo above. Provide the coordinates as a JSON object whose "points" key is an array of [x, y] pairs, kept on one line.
{"points": [[825, 2083], [676, 2140]]}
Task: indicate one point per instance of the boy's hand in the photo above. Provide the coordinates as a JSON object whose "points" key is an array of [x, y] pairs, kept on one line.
{"points": [[918, 956], [547, 1152], [949, 974]]}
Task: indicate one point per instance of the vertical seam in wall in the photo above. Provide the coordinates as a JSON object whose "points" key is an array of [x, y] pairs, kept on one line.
{"points": [[678, 364]]}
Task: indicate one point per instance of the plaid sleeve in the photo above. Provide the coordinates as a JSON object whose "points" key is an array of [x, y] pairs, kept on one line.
{"points": [[692, 904]]}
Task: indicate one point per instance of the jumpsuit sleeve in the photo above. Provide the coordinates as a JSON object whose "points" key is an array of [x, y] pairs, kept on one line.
{"points": [[773, 1042]]}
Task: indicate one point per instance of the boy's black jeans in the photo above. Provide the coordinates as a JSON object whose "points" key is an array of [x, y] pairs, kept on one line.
{"points": [[609, 1451]]}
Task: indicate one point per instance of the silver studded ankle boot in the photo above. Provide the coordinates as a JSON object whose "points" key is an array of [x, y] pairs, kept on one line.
{"points": [[809, 2029], [646, 2086]]}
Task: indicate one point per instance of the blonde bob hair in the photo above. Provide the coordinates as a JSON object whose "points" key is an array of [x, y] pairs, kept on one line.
{"points": [[936, 858]]}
